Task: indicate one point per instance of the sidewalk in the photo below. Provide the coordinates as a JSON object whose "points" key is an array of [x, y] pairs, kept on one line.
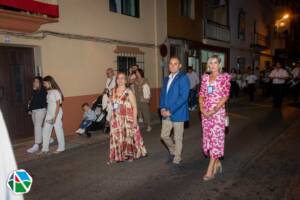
{"points": [[72, 141]]}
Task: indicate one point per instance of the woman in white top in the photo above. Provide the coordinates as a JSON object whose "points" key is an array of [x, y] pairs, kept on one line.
{"points": [[53, 116]]}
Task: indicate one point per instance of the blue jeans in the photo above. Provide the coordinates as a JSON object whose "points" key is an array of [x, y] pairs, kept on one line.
{"points": [[192, 98], [85, 123]]}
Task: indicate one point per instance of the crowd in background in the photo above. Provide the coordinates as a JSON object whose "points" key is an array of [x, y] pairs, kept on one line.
{"points": [[274, 80]]}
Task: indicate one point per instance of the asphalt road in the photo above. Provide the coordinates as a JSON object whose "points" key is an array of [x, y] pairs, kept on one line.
{"points": [[82, 173]]}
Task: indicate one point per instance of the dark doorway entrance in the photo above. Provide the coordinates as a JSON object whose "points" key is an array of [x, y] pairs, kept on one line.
{"points": [[16, 72]]}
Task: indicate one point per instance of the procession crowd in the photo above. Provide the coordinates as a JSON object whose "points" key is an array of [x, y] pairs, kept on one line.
{"points": [[123, 108], [274, 80]]}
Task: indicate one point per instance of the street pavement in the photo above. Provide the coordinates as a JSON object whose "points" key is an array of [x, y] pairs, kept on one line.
{"points": [[82, 173], [274, 174]]}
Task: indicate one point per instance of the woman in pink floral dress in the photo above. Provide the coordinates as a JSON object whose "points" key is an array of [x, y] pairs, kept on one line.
{"points": [[126, 142], [213, 95]]}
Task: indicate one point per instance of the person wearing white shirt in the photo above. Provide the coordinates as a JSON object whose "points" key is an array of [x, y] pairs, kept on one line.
{"points": [[251, 82], [54, 116], [111, 79], [171, 78], [278, 77], [194, 82], [143, 95]]}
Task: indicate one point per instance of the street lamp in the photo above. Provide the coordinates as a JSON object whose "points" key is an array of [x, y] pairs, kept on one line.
{"points": [[286, 16]]}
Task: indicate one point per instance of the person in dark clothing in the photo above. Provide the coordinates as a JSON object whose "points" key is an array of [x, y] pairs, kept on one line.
{"points": [[37, 108]]}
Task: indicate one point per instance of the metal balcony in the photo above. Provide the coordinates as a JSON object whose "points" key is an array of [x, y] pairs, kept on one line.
{"points": [[216, 31], [260, 42]]}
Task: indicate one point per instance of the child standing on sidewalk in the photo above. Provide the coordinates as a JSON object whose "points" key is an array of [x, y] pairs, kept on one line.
{"points": [[89, 116]]}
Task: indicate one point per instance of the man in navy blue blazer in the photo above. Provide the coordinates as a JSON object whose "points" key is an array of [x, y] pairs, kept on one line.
{"points": [[174, 108]]}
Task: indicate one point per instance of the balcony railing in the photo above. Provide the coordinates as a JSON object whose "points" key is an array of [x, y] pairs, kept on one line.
{"points": [[260, 41], [216, 31]]}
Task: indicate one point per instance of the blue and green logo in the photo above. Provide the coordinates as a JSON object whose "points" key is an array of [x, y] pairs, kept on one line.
{"points": [[19, 181]]}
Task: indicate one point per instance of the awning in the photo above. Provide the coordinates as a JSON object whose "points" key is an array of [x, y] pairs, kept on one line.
{"points": [[44, 7]]}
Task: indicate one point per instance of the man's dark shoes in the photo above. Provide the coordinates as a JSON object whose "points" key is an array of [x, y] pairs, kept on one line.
{"points": [[170, 159], [176, 168]]}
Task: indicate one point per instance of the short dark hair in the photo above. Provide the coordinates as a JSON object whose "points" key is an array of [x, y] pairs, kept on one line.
{"points": [[141, 72], [175, 57], [190, 68], [40, 80], [85, 104]]}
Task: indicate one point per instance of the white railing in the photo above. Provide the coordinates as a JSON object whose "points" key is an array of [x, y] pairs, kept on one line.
{"points": [[216, 31]]}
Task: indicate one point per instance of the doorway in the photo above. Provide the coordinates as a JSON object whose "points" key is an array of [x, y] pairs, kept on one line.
{"points": [[16, 72]]}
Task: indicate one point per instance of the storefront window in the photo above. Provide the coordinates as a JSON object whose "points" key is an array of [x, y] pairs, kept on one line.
{"points": [[194, 60]]}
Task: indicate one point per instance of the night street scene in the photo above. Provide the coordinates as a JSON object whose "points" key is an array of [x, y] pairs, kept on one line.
{"points": [[149, 99]]}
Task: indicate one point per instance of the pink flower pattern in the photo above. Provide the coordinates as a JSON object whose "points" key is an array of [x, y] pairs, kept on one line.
{"points": [[214, 126]]}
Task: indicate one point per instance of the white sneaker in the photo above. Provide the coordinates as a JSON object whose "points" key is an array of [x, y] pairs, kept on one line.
{"points": [[33, 149], [51, 141], [141, 120], [81, 131], [149, 129], [78, 130]]}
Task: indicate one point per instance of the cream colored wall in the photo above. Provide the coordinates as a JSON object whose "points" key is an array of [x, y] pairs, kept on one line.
{"points": [[78, 65], [93, 18]]}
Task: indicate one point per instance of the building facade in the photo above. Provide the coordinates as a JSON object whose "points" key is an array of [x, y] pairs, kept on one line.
{"points": [[198, 29], [251, 34], [240, 32], [76, 48]]}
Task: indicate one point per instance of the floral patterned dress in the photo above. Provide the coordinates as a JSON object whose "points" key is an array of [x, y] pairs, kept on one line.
{"points": [[214, 126], [126, 142]]}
